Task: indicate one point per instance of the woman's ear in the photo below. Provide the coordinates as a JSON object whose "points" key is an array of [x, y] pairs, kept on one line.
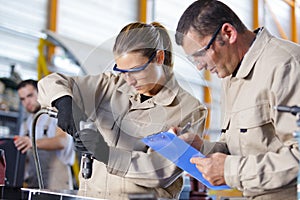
{"points": [[160, 57]]}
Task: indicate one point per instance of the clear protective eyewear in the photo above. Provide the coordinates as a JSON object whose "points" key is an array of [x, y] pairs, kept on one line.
{"points": [[136, 69], [196, 56]]}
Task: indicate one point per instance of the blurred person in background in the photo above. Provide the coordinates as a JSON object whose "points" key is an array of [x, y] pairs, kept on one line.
{"points": [[55, 147]]}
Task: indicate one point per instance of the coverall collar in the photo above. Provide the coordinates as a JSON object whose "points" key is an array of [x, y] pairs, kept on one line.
{"points": [[253, 53]]}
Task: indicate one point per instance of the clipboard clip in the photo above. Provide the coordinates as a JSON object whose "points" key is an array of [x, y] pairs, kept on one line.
{"points": [[150, 137], [163, 136]]}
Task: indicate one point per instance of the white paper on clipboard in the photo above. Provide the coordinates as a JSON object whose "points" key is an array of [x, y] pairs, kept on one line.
{"points": [[179, 152]]}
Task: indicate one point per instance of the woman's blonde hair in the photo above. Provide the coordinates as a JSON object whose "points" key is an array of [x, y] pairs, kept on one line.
{"points": [[145, 39]]}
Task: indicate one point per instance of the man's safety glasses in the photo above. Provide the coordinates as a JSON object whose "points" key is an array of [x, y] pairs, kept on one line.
{"points": [[196, 57], [136, 69]]}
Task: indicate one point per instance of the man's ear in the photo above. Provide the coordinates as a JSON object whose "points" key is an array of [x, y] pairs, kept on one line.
{"points": [[160, 57], [229, 33]]}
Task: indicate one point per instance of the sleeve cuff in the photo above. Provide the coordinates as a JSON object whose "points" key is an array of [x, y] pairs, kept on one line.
{"points": [[207, 147], [213, 147], [231, 171], [119, 161]]}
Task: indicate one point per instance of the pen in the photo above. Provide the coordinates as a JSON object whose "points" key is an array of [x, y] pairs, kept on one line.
{"points": [[185, 128]]}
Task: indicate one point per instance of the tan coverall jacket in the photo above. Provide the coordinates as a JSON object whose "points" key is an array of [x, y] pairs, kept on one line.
{"points": [[123, 120], [263, 160]]}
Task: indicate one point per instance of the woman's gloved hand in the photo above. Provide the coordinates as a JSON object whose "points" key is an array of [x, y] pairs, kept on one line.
{"points": [[91, 142], [69, 114]]}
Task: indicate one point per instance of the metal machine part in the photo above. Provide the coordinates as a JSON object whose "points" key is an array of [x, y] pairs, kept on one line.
{"points": [[51, 113]]}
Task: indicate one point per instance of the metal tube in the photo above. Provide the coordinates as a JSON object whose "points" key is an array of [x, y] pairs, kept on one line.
{"points": [[51, 113]]}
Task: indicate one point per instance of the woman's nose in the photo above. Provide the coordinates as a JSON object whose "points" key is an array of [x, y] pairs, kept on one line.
{"points": [[130, 79]]}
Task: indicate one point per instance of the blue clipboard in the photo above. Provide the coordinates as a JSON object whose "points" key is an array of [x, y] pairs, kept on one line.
{"points": [[179, 152]]}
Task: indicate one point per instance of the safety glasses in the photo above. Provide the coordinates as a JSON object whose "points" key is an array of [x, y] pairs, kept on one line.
{"points": [[196, 57], [136, 69]]}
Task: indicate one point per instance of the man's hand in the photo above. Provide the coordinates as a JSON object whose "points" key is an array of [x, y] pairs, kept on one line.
{"points": [[193, 139], [69, 114], [92, 142], [212, 167], [22, 143]]}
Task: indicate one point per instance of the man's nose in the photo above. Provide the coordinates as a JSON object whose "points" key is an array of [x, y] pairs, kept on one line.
{"points": [[201, 65], [25, 103]]}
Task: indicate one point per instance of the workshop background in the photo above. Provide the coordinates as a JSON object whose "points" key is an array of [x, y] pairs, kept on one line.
{"points": [[75, 37], [82, 34]]}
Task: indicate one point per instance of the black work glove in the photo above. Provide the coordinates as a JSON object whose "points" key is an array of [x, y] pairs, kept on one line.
{"points": [[69, 114], [91, 142], [78, 145]]}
